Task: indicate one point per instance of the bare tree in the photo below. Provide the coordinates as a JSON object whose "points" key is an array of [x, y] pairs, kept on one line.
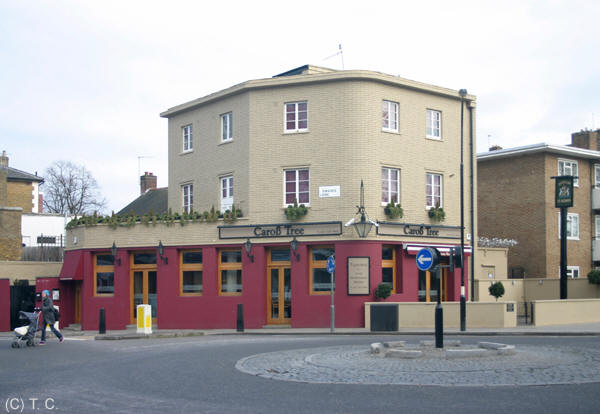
{"points": [[71, 189]]}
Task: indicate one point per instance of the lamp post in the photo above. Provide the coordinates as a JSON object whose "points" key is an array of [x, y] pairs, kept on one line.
{"points": [[463, 303]]}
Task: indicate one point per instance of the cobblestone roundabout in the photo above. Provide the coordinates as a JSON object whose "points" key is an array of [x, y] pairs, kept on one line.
{"points": [[355, 365]]}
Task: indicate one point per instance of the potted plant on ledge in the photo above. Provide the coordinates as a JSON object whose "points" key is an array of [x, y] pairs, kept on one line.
{"points": [[437, 213], [393, 210], [296, 211]]}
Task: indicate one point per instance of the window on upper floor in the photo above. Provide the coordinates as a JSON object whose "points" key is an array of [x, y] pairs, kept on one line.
{"points": [[597, 175], [434, 124], [187, 198], [390, 185], [188, 143], [572, 226], [226, 193], [297, 187], [569, 167], [296, 116], [433, 190], [227, 127], [389, 119]]}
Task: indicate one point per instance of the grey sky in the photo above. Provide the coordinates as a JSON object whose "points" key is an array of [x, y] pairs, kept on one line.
{"points": [[86, 80]]}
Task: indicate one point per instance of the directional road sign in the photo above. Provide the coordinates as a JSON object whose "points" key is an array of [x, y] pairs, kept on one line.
{"points": [[426, 259], [330, 264]]}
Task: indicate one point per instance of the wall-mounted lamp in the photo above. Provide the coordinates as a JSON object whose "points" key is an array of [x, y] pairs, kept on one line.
{"points": [[113, 251], [363, 226], [294, 246], [248, 247], [161, 252]]}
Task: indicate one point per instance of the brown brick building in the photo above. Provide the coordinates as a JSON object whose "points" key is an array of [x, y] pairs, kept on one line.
{"points": [[19, 193], [516, 201]]}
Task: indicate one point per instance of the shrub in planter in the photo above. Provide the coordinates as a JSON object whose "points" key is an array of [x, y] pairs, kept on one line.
{"points": [[497, 290], [393, 210], [437, 213], [296, 211], [383, 291], [594, 277]]}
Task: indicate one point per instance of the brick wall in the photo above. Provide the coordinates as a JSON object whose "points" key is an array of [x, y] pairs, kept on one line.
{"points": [[19, 194], [10, 233], [512, 204]]}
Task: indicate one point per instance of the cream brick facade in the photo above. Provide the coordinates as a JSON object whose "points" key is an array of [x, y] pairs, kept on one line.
{"points": [[344, 144]]}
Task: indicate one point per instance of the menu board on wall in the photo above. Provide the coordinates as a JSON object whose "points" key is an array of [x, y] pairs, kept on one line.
{"points": [[359, 280]]}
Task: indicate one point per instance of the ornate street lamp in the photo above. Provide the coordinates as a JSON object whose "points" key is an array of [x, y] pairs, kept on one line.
{"points": [[364, 225], [248, 247], [113, 251], [294, 246], [161, 252]]}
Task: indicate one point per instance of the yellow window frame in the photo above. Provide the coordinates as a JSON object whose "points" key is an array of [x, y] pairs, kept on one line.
{"points": [[189, 267], [102, 269], [317, 264], [229, 266], [390, 264]]}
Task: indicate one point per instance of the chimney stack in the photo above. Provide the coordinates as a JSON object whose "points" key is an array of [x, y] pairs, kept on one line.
{"points": [[4, 159], [586, 139], [147, 182]]}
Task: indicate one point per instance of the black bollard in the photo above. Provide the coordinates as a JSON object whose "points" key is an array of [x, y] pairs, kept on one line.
{"points": [[102, 323], [240, 317], [439, 326]]}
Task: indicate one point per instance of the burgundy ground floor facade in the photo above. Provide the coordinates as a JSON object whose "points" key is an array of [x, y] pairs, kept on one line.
{"points": [[200, 287]]}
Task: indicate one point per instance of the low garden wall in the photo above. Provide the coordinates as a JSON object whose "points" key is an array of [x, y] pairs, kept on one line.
{"points": [[479, 315], [563, 312]]}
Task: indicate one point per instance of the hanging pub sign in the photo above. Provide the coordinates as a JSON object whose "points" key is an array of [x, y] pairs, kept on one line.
{"points": [[564, 191]]}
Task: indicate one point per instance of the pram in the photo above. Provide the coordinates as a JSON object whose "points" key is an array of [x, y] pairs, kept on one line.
{"points": [[25, 335]]}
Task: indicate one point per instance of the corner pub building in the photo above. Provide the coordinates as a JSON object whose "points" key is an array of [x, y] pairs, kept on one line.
{"points": [[309, 135]]}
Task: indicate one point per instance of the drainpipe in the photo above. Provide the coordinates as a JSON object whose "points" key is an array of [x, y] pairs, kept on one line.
{"points": [[473, 244]]}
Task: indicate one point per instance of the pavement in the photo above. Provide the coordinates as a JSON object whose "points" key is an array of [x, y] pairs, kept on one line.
{"points": [[588, 329]]}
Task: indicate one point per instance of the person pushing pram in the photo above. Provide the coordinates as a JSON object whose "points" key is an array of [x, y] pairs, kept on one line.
{"points": [[48, 317]]}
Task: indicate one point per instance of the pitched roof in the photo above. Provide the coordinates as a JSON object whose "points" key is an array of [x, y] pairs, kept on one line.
{"points": [[154, 199], [12, 174]]}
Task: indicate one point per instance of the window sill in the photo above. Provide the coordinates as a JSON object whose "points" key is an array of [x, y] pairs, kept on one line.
{"points": [[230, 293], [186, 152], [229, 141], [390, 131], [298, 131], [190, 295], [104, 295], [433, 138]]}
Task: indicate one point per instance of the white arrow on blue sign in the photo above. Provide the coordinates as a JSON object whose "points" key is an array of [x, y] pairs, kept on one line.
{"points": [[425, 259], [330, 264]]}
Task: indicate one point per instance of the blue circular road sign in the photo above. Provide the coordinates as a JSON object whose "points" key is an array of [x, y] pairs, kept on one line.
{"points": [[330, 264], [426, 259]]}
